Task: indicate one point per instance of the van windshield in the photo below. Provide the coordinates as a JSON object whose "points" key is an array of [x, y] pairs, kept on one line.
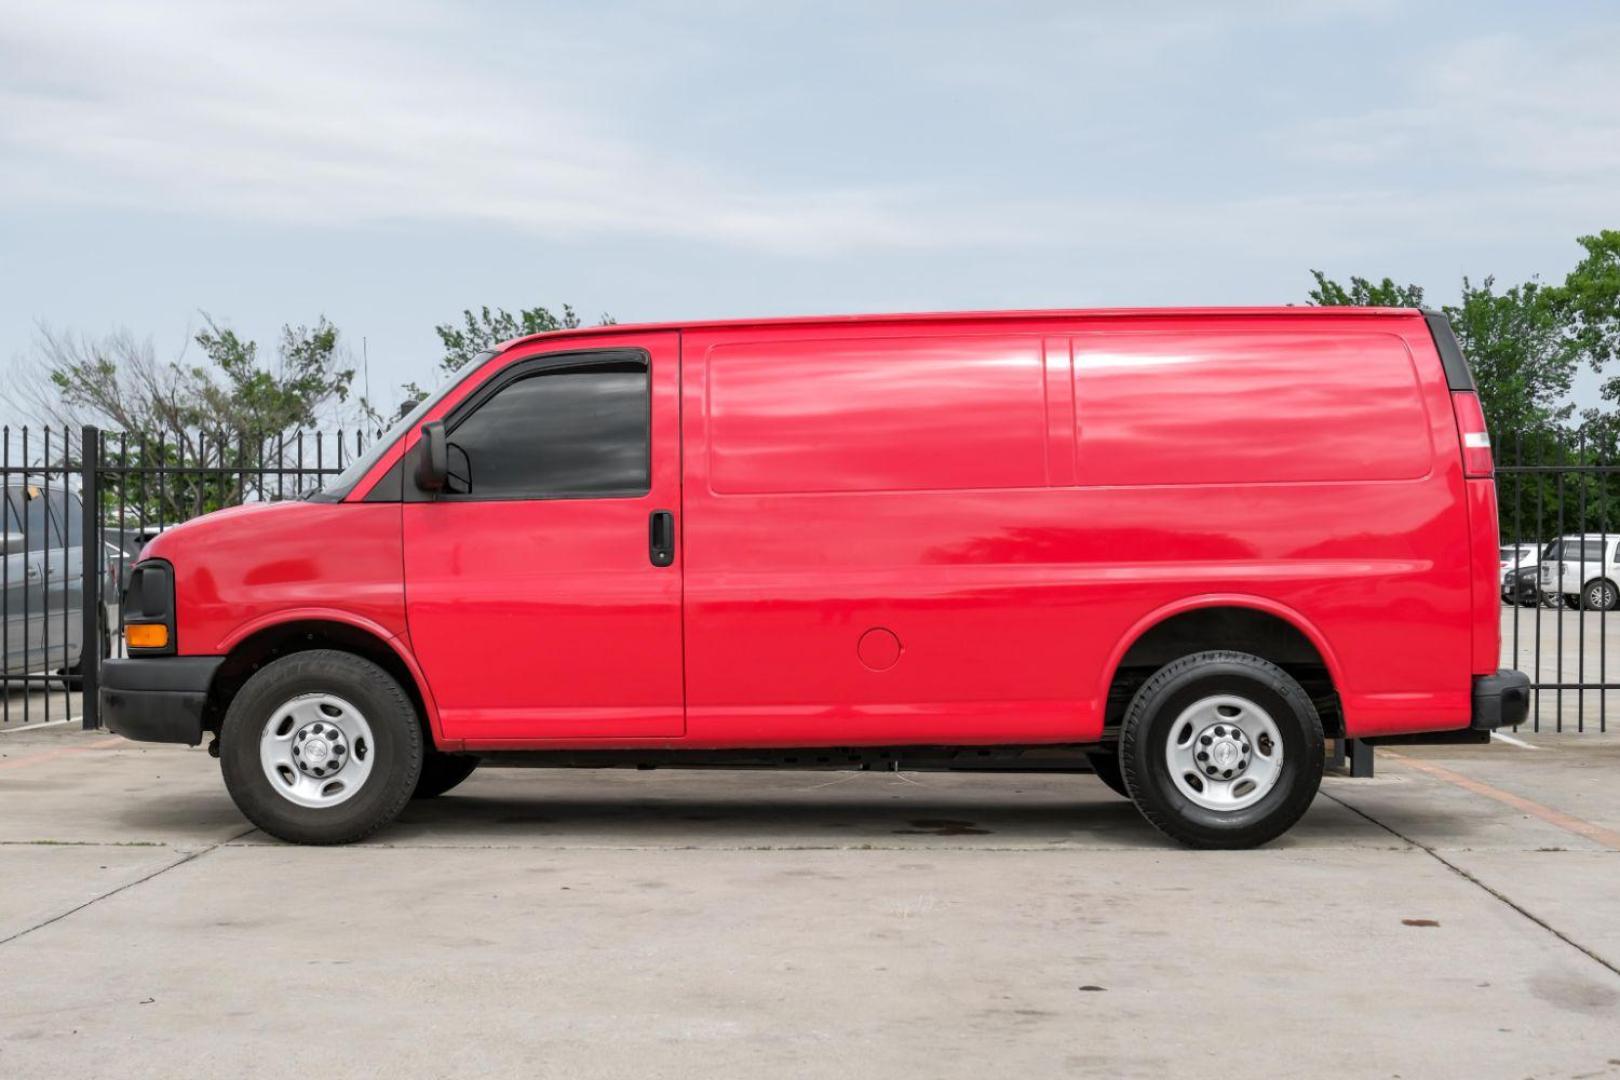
{"points": [[344, 482]]}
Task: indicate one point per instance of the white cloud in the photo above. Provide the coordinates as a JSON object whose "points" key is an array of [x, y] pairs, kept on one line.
{"points": [[1509, 105], [313, 113], [322, 113]]}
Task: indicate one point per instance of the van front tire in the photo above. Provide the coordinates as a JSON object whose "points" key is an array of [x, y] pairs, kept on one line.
{"points": [[321, 747], [1222, 750]]}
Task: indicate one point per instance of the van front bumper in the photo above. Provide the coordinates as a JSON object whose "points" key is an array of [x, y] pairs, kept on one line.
{"points": [[158, 698], [1500, 700]]}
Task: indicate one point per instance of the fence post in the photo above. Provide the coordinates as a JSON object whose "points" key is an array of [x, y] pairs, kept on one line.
{"points": [[90, 585]]}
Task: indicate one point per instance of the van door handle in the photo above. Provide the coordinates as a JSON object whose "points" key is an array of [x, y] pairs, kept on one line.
{"points": [[661, 537]]}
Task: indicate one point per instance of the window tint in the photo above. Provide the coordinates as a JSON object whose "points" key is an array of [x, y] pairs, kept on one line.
{"points": [[33, 520], [578, 432], [69, 515], [1575, 550]]}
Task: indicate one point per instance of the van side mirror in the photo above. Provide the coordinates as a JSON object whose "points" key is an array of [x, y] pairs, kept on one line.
{"points": [[432, 458], [11, 544]]}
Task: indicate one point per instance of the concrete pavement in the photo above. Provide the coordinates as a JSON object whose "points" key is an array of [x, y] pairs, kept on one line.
{"points": [[707, 924]]}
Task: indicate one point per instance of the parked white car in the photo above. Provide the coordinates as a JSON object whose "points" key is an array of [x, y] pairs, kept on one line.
{"points": [[1585, 569], [1518, 556], [1521, 569]]}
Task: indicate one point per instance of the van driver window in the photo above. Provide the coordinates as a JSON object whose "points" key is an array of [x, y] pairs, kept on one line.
{"points": [[579, 432]]}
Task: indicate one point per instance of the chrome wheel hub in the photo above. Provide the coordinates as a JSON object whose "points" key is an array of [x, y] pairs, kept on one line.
{"points": [[1224, 753], [319, 749], [316, 750], [1224, 750]]}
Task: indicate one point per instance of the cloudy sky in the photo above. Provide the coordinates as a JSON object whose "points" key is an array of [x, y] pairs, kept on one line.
{"points": [[389, 164]]}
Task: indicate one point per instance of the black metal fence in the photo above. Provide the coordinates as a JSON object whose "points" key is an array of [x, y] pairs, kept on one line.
{"points": [[81, 503], [79, 506], [41, 581], [1559, 509]]}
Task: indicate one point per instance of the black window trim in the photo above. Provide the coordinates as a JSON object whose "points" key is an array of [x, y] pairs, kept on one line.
{"points": [[522, 368]]}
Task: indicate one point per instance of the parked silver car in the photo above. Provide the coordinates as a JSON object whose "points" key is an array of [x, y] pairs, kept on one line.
{"points": [[42, 629]]}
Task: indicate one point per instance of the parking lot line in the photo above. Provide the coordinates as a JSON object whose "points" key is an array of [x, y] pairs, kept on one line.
{"points": [[1596, 833]]}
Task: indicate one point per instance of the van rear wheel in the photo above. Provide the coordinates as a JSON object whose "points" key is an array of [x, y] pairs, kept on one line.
{"points": [[321, 747], [1222, 750]]}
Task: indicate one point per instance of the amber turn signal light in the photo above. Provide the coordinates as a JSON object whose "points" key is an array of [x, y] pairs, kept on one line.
{"points": [[147, 636]]}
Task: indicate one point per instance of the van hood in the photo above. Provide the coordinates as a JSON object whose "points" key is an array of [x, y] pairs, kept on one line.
{"points": [[246, 516]]}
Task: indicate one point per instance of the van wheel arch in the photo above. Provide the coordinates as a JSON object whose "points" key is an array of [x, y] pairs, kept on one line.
{"points": [[284, 639], [1226, 627]]}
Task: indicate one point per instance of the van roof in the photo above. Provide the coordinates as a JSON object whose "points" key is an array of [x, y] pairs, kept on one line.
{"points": [[975, 316]]}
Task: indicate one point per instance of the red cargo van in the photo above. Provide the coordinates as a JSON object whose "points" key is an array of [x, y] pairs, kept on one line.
{"points": [[1185, 545]]}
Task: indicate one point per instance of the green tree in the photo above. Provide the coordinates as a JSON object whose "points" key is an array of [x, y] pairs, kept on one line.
{"points": [[487, 328], [1525, 344], [1522, 353], [118, 382], [1363, 293], [225, 424], [1590, 302], [1519, 342], [247, 397]]}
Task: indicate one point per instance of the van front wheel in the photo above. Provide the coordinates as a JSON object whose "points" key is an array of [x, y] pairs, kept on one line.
{"points": [[1222, 750], [321, 747]]}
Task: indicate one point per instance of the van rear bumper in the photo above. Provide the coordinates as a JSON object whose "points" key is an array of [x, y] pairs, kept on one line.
{"points": [[158, 698], [1500, 700]]}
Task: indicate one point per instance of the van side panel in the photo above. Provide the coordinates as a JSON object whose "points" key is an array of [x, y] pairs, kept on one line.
{"points": [[883, 414], [892, 570], [872, 551], [1272, 405], [1317, 467]]}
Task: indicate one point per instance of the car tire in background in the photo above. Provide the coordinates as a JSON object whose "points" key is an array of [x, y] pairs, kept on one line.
{"points": [[321, 747], [1222, 750], [1600, 594]]}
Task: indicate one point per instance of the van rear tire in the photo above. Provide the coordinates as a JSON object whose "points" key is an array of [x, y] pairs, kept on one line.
{"points": [[321, 747], [1222, 750]]}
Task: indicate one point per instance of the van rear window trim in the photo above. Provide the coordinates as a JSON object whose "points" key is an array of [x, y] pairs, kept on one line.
{"points": [[1458, 377]]}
